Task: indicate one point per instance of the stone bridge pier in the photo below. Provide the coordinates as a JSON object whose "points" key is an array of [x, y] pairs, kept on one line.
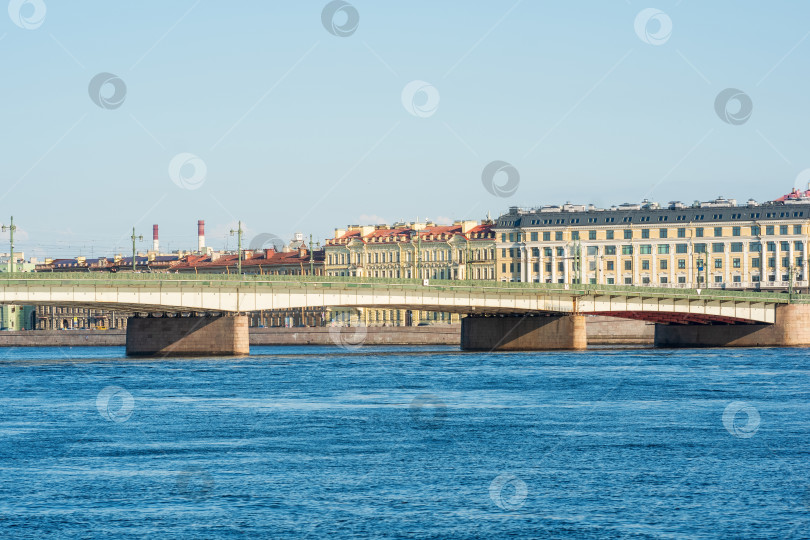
{"points": [[790, 329], [523, 332], [225, 335]]}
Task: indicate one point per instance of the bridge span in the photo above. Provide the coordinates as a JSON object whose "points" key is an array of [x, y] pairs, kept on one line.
{"points": [[482, 301]]}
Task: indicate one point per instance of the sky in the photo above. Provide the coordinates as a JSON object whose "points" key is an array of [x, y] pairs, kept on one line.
{"points": [[312, 115]]}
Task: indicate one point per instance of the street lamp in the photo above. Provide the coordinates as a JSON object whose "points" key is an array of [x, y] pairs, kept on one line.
{"points": [[10, 228], [134, 238], [238, 232]]}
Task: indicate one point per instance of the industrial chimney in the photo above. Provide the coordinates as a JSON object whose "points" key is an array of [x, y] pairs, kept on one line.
{"points": [[200, 236], [155, 244]]}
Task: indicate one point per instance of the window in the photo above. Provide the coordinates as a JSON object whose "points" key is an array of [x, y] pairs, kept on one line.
{"points": [[574, 235], [546, 236], [627, 250], [628, 234], [662, 233], [756, 262], [681, 248], [610, 265], [718, 263], [645, 249], [771, 262], [784, 246], [736, 231], [736, 279], [591, 235], [534, 237], [769, 229], [799, 263], [645, 233], [785, 262], [560, 252], [645, 264], [558, 235], [718, 231], [755, 230], [736, 247], [546, 252], [663, 249], [560, 267], [681, 279], [783, 229], [771, 247], [662, 264], [645, 280], [592, 250], [718, 247], [797, 229], [699, 232], [610, 250], [663, 279], [681, 233], [628, 265], [755, 247], [503, 267], [718, 279], [610, 281], [700, 248], [503, 237], [735, 263], [535, 252], [511, 237], [798, 245], [681, 264], [548, 268], [609, 235]]}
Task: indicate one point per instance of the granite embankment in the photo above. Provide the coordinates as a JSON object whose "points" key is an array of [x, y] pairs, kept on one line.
{"points": [[601, 331]]}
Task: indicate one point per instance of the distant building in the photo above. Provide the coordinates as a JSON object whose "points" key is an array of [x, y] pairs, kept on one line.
{"points": [[13, 317]]}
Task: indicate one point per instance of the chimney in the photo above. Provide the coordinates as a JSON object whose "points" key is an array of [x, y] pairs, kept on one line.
{"points": [[200, 235], [155, 244]]}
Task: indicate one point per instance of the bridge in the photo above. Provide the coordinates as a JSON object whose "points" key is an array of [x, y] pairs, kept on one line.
{"points": [[500, 315]]}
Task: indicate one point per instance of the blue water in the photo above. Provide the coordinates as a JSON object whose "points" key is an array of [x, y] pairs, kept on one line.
{"points": [[299, 442]]}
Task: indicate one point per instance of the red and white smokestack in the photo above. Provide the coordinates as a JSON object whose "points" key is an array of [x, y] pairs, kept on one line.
{"points": [[200, 235], [155, 243]]}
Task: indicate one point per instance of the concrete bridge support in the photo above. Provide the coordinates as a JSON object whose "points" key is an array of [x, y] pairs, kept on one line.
{"points": [[187, 336], [791, 329], [523, 333]]}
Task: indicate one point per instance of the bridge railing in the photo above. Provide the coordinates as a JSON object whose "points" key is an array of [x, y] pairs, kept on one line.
{"points": [[82, 278]]}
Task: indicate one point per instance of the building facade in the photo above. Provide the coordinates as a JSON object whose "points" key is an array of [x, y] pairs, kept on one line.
{"points": [[712, 244], [464, 250]]}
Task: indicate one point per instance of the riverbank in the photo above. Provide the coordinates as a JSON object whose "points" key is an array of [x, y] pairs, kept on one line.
{"points": [[601, 331]]}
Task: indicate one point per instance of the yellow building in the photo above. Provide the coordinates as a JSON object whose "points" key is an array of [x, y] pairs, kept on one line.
{"points": [[461, 251], [718, 243]]}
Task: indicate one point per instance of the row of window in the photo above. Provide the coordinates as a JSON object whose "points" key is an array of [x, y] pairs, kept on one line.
{"points": [[663, 264], [394, 256], [628, 234], [664, 218], [661, 249]]}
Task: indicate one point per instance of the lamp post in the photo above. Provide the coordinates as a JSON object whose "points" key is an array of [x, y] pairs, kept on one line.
{"points": [[238, 232], [312, 257], [10, 228], [700, 269], [134, 238]]}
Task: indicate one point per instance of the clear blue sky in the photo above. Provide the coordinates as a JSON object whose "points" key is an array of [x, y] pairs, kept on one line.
{"points": [[303, 130]]}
